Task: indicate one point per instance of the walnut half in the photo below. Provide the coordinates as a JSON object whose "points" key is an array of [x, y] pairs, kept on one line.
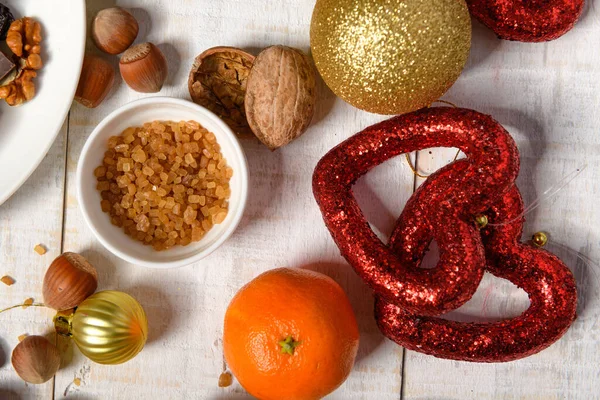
{"points": [[20, 90], [23, 38]]}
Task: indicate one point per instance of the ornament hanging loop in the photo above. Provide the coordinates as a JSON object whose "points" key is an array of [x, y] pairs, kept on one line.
{"points": [[548, 194], [24, 306], [414, 169], [443, 102], [63, 322]]}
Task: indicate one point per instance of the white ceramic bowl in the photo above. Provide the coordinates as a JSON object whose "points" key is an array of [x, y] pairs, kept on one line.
{"points": [[136, 114]]}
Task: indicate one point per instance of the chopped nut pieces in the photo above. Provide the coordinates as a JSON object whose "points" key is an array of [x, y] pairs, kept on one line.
{"points": [[39, 249], [23, 336], [23, 39], [7, 280], [77, 382], [27, 302], [165, 183]]}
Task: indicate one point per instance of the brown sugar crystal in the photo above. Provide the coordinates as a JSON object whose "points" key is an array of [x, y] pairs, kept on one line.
{"points": [[27, 302], [225, 380], [41, 250], [7, 280], [165, 183]]}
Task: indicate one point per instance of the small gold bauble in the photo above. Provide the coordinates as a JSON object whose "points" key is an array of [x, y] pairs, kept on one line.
{"points": [[540, 239], [481, 221], [109, 327], [390, 56]]}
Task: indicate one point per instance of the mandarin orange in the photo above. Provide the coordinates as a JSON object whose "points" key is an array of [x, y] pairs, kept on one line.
{"points": [[290, 334]]}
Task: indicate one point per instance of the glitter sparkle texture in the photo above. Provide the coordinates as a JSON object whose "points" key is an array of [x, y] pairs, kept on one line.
{"points": [[527, 20], [410, 299], [390, 56]]}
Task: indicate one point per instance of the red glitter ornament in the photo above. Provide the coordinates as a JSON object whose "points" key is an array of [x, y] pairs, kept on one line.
{"points": [[493, 167], [443, 209], [549, 283], [527, 20]]}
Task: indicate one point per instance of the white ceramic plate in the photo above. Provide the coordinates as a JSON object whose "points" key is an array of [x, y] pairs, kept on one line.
{"points": [[27, 132]]}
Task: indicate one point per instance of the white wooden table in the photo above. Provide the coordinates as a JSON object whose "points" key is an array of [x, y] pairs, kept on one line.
{"points": [[548, 97]]}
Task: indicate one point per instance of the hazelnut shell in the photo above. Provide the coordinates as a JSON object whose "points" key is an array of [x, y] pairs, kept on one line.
{"points": [[114, 30], [96, 80], [144, 68], [35, 359], [218, 80], [280, 96], [69, 280]]}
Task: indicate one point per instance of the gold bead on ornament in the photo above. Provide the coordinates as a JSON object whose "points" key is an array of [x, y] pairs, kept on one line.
{"points": [[540, 239]]}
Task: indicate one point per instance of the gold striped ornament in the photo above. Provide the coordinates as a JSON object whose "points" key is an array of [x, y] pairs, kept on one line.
{"points": [[109, 327]]}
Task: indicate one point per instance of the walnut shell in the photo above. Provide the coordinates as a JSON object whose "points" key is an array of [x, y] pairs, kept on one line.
{"points": [[280, 95], [217, 81]]}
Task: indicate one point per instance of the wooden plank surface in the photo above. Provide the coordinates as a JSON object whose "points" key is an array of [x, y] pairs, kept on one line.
{"points": [[33, 215], [546, 95], [282, 225]]}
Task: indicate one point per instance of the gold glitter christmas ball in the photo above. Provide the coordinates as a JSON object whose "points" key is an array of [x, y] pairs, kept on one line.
{"points": [[390, 56]]}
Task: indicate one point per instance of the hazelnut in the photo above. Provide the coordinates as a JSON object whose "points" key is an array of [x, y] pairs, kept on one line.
{"points": [[144, 68], [35, 359], [280, 95], [96, 80], [70, 280], [114, 30]]}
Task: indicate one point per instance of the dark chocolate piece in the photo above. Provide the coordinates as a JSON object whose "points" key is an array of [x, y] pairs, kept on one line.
{"points": [[6, 65]]}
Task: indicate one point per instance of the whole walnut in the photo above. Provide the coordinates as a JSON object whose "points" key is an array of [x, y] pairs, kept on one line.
{"points": [[280, 95]]}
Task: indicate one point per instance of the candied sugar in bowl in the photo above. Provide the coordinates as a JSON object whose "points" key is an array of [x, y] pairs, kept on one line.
{"points": [[162, 174], [165, 183]]}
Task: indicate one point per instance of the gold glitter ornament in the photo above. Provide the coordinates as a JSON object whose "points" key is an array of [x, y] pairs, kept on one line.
{"points": [[109, 327], [390, 56]]}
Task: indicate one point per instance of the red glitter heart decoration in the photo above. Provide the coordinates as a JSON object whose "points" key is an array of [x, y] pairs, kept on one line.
{"points": [[443, 209], [527, 20], [493, 167], [548, 282]]}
